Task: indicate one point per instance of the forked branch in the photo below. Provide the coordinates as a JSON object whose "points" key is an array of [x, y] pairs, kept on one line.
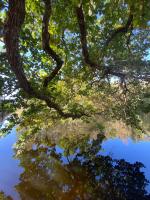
{"points": [[85, 52]]}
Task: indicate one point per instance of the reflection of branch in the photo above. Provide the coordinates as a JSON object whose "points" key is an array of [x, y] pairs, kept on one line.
{"points": [[15, 19], [122, 29], [46, 41]]}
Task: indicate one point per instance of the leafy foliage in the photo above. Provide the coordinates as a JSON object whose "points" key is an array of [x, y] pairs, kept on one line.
{"points": [[92, 60]]}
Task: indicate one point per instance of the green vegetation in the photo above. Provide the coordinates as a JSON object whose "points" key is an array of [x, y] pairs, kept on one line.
{"points": [[63, 60], [4, 197]]}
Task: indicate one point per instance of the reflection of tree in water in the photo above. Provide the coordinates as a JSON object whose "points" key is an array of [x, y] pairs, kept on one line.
{"points": [[4, 197], [83, 175]]}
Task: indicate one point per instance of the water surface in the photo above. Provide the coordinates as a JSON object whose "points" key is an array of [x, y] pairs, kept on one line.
{"points": [[91, 169]]}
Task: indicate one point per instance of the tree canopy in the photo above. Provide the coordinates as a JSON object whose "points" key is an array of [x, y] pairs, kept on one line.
{"points": [[74, 59]]}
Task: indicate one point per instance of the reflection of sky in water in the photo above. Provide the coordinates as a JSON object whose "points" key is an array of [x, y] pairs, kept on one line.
{"points": [[10, 171], [130, 151]]}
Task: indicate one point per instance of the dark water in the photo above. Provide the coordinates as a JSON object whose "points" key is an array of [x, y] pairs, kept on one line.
{"points": [[91, 169]]}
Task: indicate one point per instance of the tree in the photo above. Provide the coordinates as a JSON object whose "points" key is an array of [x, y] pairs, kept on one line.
{"points": [[75, 59]]}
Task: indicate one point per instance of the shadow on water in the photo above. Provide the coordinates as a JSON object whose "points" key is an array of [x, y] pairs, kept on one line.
{"points": [[79, 172]]}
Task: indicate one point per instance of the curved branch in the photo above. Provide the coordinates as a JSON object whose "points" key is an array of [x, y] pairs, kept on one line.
{"points": [[122, 29], [12, 28], [83, 37], [46, 41]]}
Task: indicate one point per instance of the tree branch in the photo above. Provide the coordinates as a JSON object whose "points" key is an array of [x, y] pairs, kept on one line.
{"points": [[12, 28], [83, 37], [122, 29], [46, 41]]}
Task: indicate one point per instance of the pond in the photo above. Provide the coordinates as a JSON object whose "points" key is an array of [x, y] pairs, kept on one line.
{"points": [[91, 168]]}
